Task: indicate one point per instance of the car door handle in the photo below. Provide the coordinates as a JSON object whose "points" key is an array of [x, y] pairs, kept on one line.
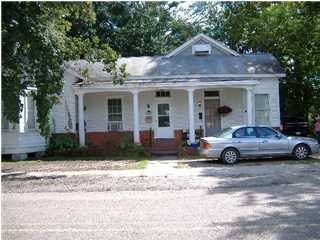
{"points": [[236, 142], [264, 141]]}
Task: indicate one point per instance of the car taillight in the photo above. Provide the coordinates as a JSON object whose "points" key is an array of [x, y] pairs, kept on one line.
{"points": [[205, 144]]}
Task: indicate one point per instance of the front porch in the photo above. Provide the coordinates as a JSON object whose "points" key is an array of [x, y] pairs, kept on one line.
{"points": [[147, 115]]}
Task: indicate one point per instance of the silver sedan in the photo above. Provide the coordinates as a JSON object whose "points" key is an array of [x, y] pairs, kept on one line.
{"points": [[255, 141]]}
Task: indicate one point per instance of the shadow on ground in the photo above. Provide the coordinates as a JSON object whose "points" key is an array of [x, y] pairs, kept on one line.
{"points": [[292, 209], [200, 163]]}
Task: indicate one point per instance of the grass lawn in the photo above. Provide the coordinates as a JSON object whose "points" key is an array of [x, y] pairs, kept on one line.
{"points": [[59, 163]]}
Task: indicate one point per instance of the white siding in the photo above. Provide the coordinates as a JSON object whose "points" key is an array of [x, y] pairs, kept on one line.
{"points": [[96, 111], [14, 142], [234, 98], [271, 87], [146, 98]]}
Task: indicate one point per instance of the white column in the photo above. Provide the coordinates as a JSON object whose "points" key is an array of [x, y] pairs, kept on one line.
{"points": [[249, 106], [81, 120], [192, 138], [136, 130], [24, 114]]}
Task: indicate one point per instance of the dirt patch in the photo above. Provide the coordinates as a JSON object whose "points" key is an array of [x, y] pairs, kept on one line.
{"points": [[75, 165]]}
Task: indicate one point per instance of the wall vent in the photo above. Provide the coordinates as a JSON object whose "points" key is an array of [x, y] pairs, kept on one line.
{"points": [[201, 49]]}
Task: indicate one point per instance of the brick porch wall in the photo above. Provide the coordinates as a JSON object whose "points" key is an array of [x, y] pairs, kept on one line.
{"points": [[103, 139]]}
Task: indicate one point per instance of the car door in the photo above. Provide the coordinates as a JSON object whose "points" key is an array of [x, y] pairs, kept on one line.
{"points": [[246, 141], [271, 143]]}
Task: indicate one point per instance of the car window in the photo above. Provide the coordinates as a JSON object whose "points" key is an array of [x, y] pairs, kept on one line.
{"points": [[265, 132], [247, 132], [226, 133]]}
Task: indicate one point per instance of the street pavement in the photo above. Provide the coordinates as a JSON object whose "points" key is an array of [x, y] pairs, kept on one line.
{"points": [[278, 201]]}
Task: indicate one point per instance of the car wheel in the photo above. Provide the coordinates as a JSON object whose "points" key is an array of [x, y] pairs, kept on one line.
{"points": [[230, 156], [301, 152]]}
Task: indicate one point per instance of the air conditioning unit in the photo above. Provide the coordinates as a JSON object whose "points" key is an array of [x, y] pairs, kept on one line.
{"points": [[201, 49]]}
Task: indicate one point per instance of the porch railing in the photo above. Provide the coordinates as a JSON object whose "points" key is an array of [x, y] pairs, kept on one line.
{"points": [[115, 126]]}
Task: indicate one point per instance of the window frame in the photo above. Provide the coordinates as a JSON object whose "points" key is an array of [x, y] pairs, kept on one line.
{"points": [[107, 112], [165, 94], [27, 113], [268, 109]]}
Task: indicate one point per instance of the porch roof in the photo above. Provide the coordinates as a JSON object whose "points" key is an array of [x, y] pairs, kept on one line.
{"points": [[206, 68]]}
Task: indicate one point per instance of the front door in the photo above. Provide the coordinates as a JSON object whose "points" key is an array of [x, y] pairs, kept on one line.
{"points": [[271, 142], [212, 118], [164, 124]]}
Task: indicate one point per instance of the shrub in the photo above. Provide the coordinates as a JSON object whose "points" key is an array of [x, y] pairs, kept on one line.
{"points": [[64, 145]]}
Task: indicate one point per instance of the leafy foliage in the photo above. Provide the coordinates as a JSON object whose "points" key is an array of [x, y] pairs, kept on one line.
{"points": [[38, 37], [141, 28]]}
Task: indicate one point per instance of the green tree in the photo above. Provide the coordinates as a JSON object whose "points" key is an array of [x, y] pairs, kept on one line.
{"points": [[37, 39], [141, 28]]}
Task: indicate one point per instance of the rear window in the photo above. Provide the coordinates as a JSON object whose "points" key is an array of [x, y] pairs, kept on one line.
{"points": [[246, 132], [226, 133]]}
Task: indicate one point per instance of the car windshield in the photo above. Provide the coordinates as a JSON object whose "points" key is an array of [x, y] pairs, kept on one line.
{"points": [[226, 133]]}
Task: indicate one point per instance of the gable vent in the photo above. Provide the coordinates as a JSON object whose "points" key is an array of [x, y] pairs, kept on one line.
{"points": [[201, 49]]}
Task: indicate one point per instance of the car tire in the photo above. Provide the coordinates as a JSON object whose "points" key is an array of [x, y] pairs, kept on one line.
{"points": [[230, 156], [301, 152]]}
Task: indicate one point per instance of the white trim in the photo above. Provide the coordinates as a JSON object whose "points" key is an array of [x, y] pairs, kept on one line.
{"points": [[107, 110], [170, 101], [217, 44], [34, 114], [103, 87], [81, 127], [255, 110], [201, 76]]}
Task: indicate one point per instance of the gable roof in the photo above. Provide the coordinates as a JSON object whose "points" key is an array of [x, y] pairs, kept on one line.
{"points": [[215, 43], [180, 66]]}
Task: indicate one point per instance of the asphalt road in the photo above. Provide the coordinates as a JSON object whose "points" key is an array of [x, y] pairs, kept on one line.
{"points": [[255, 204]]}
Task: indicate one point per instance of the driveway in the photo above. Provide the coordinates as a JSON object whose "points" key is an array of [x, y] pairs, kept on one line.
{"points": [[277, 201]]}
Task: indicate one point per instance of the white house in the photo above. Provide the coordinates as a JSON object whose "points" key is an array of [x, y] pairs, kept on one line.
{"points": [[166, 96], [18, 140]]}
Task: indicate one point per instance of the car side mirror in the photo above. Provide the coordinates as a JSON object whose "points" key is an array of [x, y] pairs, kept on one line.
{"points": [[279, 136]]}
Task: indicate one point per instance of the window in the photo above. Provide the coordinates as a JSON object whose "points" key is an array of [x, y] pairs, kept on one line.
{"points": [[31, 113], [4, 121], [162, 93], [211, 93], [248, 132], [114, 114], [262, 109], [163, 115], [265, 132]]}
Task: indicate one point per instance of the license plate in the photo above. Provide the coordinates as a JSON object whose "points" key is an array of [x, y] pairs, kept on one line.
{"points": [[298, 133]]}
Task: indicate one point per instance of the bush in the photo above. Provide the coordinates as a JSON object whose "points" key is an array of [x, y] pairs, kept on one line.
{"points": [[65, 145], [127, 148]]}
